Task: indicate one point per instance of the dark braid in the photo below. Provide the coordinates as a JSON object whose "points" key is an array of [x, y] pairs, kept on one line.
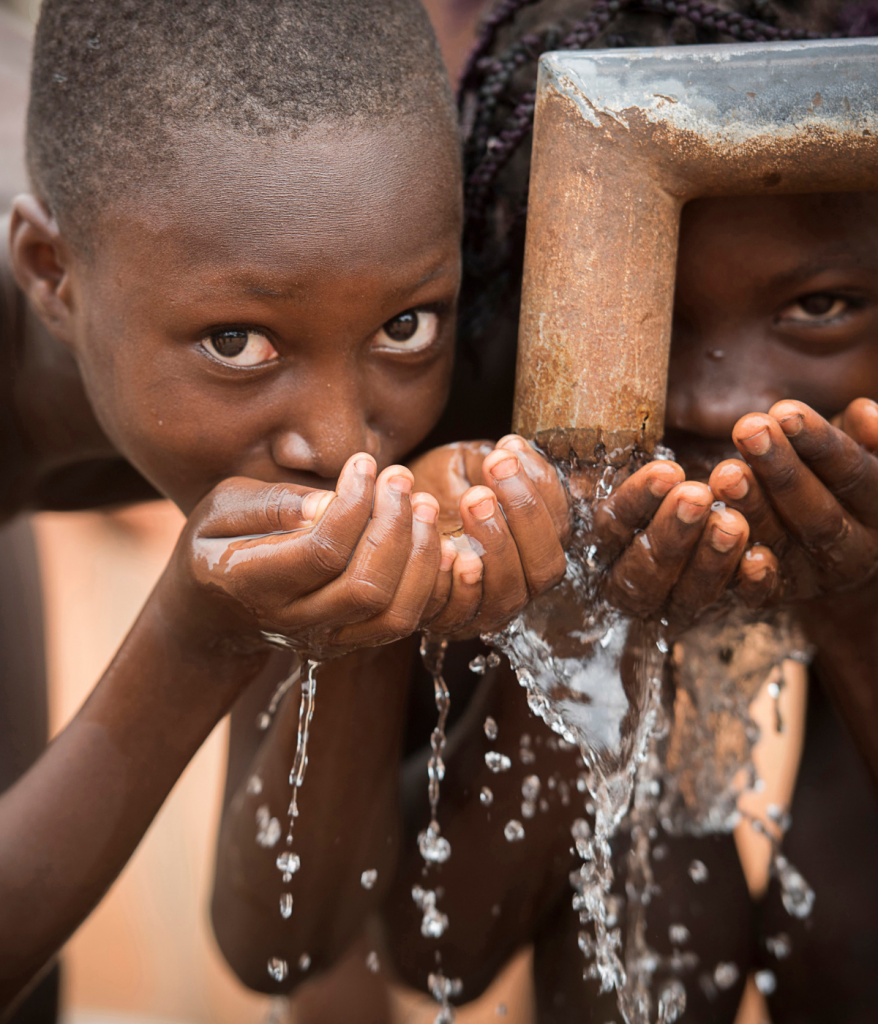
{"points": [[496, 101]]}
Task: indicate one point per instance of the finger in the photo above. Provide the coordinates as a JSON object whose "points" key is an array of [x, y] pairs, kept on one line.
{"points": [[759, 579], [276, 520], [504, 588], [368, 583], [532, 528], [712, 566], [733, 482], [466, 589], [403, 615], [834, 540], [860, 421], [642, 578], [442, 587], [630, 507], [547, 481], [847, 470]]}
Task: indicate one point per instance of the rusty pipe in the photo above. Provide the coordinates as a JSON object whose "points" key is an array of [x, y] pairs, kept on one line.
{"points": [[622, 140]]}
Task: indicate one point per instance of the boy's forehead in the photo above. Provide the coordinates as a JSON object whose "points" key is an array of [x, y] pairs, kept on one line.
{"points": [[830, 222], [334, 194]]}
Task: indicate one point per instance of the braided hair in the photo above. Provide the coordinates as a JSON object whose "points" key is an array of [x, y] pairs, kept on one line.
{"points": [[497, 96]]}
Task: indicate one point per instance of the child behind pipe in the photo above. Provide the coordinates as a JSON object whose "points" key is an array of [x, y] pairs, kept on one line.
{"points": [[776, 307]]}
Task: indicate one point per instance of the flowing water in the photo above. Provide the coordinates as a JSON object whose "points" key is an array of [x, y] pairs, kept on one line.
{"points": [[601, 681], [288, 862]]}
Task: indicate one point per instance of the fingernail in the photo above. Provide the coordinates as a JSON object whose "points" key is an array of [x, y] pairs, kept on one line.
{"points": [[513, 441], [365, 466], [483, 510], [402, 484], [310, 503], [736, 490], [505, 469], [792, 425], [722, 541], [758, 574], [658, 486], [425, 513], [758, 443], [689, 512]]}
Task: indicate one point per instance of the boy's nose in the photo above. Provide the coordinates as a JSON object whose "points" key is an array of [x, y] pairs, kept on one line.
{"points": [[323, 447]]}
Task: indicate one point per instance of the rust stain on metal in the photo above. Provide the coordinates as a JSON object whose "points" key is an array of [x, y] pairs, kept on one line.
{"points": [[607, 188]]}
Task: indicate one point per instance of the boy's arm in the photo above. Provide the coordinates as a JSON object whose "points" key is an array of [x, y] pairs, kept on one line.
{"points": [[72, 821], [348, 819]]}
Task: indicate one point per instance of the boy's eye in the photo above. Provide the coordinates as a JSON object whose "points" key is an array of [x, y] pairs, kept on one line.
{"points": [[411, 331], [240, 348], [821, 307]]}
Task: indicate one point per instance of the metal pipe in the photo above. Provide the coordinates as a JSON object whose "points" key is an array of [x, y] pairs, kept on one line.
{"points": [[622, 140]]}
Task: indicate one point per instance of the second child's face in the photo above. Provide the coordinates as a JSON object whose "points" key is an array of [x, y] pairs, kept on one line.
{"points": [[777, 297], [288, 305]]}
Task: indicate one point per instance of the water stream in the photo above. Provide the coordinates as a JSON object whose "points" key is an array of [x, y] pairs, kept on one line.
{"points": [[604, 682]]}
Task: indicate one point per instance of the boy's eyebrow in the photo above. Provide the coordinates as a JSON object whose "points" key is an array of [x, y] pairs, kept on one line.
{"points": [[829, 259]]}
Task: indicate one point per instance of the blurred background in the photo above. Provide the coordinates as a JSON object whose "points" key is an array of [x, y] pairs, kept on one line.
{"points": [[147, 955]]}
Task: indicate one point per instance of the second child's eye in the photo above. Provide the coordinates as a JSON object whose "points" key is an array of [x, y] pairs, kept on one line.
{"points": [[412, 331], [819, 308], [240, 348]]}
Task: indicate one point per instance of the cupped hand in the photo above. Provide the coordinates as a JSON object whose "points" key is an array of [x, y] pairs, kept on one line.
{"points": [[318, 571], [505, 517], [809, 490], [669, 549]]}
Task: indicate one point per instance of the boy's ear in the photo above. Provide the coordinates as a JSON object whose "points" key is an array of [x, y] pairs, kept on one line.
{"points": [[40, 260]]}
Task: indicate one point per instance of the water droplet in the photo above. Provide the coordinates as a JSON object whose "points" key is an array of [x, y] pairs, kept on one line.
{"points": [[725, 975], [530, 788], [797, 896], [698, 872], [493, 659], [779, 945], [766, 982], [528, 810], [372, 962], [662, 645], [254, 785], [268, 828], [434, 922], [263, 721], [478, 665], [580, 829], [486, 796], [288, 863], [497, 762], [526, 755], [672, 1002], [660, 852], [716, 354], [501, 1010], [277, 968], [491, 729], [514, 831], [434, 847], [368, 878], [678, 934], [286, 905], [304, 962]]}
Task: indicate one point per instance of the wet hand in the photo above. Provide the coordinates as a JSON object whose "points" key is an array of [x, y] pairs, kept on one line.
{"points": [[505, 515], [317, 571], [670, 551], [810, 493]]}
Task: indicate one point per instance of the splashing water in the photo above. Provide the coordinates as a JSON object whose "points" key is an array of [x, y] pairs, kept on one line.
{"points": [[434, 847], [595, 678]]}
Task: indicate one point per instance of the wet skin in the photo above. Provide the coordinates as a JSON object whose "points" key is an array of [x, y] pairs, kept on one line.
{"points": [[777, 300]]}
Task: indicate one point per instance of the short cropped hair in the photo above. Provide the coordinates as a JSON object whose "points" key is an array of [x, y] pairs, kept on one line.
{"points": [[116, 84]]}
